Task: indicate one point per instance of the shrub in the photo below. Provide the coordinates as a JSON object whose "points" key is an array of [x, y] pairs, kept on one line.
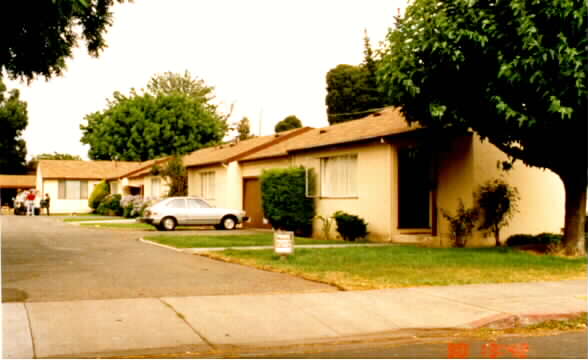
{"points": [[284, 201], [327, 222], [496, 202], [526, 239], [350, 227], [462, 224], [133, 206], [101, 190], [110, 205]]}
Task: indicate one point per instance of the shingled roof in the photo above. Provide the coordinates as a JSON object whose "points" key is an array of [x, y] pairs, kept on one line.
{"points": [[80, 169], [386, 122], [226, 153], [17, 181]]}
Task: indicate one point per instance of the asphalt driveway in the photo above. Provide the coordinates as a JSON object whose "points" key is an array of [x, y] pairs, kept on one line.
{"points": [[44, 259]]}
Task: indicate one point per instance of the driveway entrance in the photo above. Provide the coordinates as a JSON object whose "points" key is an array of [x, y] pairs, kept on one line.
{"points": [[45, 259]]}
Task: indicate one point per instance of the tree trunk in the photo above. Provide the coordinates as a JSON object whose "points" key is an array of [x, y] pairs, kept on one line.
{"points": [[575, 218], [497, 236]]}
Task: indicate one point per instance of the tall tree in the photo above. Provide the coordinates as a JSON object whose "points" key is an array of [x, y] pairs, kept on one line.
{"points": [[38, 36], [13, 121], [352, 90], [513, 71], [290, 122], [144, 126], [244, 129]]}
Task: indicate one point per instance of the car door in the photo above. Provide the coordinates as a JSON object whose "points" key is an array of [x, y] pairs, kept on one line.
{"points": [[177, 209], [198, 213]]}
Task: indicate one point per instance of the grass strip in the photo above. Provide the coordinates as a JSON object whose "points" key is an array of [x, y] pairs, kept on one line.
{"points": [[202, 241], [406, 266], [92, 218]]}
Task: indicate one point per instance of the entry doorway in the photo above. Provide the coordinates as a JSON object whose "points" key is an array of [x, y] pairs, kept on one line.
{"points": [[252, 204], [414, 188]]}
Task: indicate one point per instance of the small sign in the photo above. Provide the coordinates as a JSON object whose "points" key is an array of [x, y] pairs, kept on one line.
{"points": [[284, 242]]}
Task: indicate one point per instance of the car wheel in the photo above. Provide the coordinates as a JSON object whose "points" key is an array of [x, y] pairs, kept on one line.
{"points": [[168, 223], [229, 222]]}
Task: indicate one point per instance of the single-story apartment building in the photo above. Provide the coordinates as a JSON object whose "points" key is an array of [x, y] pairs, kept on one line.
{"points": [[395, 176], [69, 183]]}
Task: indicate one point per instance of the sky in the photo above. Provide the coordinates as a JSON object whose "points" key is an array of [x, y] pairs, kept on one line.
{"points": [[268, 59]]}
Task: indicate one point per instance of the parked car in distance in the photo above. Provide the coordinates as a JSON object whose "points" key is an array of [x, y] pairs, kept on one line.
{"points": [[168, 213]]}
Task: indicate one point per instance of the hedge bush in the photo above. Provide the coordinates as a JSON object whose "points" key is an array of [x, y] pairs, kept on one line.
{"points": [[284, 200], [101, 190], [526, 239], [110, 205], [351, 227]]}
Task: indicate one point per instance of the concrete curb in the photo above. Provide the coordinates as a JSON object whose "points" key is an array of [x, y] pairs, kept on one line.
{"points": [[159, 245], [205, 250]]}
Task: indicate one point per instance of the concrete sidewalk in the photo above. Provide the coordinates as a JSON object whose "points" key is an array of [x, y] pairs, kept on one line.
{"points": [[213, 324]]}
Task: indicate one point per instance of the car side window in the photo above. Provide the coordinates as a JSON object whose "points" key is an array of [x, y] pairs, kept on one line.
{"points": [[203, 204], [177, 204], [194, 204]]}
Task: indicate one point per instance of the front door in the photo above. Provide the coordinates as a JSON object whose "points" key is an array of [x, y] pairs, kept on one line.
{"points": [[414, 189], [252, 204]]}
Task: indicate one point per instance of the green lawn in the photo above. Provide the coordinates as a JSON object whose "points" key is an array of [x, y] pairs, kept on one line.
{"points": [[92, 218], [135, 226], [403, 266], [200, 241]]}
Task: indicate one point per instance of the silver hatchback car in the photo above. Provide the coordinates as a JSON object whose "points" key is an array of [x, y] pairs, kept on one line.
{"points": [[168, 213]]}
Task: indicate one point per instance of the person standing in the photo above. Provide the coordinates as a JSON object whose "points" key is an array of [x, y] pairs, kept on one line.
{"points": [[47, 204], [30, 203]]}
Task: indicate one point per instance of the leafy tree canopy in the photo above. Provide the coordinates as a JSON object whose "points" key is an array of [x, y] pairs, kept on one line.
{"points": [[170, 83], [146, 125], [352, 90], [13, 121], [513, 71], [38, 36], [289, 123]]}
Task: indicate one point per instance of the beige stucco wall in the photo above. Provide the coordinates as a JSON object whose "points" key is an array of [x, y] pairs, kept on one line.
{"points": [[374, 194], [51, 187], [255, 168], [468, 162], [542, 195]]}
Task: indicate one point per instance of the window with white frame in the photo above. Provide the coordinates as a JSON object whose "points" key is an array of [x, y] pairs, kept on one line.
{"points": [[339, 176], [155, 187], [72, 190], [207, 187]]}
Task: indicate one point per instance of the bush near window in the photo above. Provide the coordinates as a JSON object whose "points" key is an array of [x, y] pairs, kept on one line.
{"points": [[284, 200], [110, 205], [101, 190], [351, 227]]}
